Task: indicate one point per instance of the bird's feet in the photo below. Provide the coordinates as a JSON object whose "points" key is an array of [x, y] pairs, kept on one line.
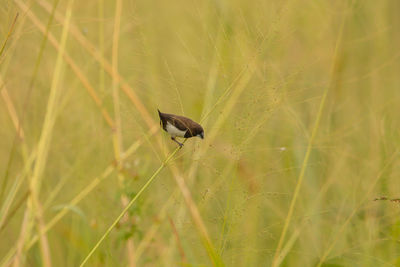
{"points": [[180, 144]]}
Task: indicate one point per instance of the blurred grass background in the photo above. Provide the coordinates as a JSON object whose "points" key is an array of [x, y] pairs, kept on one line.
{"points": [[255, 74]]}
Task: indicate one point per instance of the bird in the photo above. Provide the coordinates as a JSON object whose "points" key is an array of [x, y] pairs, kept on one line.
{"points": [[179, 126]]}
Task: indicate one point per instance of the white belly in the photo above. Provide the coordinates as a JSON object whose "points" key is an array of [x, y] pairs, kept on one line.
{"points": [[173, 131]]}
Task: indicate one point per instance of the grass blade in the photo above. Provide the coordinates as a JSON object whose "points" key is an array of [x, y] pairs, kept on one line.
{"points": [[125, 210]]}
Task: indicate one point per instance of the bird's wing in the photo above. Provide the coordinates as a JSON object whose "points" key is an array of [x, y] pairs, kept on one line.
{"points": [[181, 123]]}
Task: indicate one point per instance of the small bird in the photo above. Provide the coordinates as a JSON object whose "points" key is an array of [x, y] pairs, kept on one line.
{"points": [[179, 126]]}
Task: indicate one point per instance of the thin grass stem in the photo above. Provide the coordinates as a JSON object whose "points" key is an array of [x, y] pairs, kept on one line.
{"points": [[276, 260], [139, 193]]}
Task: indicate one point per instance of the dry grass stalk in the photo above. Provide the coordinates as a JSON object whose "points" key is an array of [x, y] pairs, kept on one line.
{"points": [[8, 35], [117, 130], [125, 210], [151, 232], [76, 200], [78, 72], [34, 214], [11, 110], [138, 104], [336, 58], [96, 54], [178, 240]]}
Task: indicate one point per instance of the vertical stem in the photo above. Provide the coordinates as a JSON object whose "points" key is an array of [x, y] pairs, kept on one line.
{"points": [[34, 215], [117, 131], [101, 44], [276, 261], [9, 34], [125, 210]]}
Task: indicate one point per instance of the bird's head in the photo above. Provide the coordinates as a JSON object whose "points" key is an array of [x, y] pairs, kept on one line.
{"points": [[201, 135]]}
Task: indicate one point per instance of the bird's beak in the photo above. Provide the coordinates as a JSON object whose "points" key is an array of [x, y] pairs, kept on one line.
{"points": [[202, 135]]}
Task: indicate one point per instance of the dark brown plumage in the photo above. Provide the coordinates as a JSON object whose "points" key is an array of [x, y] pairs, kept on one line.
{"points": [[179, 126]]}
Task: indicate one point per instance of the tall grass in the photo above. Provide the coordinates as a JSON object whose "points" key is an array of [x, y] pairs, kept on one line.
{"points": [[299, 102]]}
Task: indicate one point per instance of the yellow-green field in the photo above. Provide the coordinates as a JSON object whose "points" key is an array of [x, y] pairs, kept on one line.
{"points": [[300, 102]]}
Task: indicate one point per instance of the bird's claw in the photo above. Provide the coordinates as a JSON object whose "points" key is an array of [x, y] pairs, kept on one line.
{"points": [[179, 143]]}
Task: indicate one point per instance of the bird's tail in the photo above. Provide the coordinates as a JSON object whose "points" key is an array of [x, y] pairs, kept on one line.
{"points": [[160, 115]]}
